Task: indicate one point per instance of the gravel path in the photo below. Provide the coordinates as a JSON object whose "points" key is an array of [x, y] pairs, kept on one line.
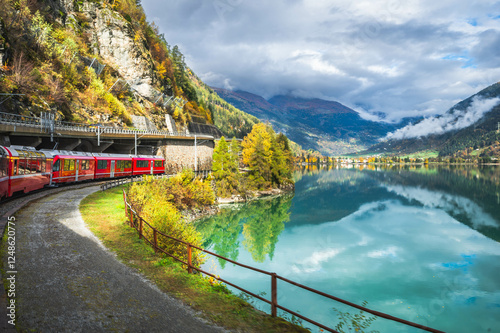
{"points": [[68, 282]]}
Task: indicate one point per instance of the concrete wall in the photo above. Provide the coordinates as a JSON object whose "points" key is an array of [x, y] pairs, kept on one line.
{"points": [[180, 154]]}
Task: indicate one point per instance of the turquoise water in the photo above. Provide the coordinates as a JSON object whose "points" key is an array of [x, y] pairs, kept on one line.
{"points": [[420, 244]]}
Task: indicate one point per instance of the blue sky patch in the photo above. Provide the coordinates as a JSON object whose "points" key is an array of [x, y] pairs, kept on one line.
{"points": [[468, 61], [472, 22]]}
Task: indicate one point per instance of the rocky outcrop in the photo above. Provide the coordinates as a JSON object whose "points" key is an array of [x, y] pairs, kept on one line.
{"points": [[115, 41]]}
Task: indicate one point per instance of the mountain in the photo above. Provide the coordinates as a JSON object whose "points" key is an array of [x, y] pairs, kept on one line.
{"points": [[326, 126], [470, 125], [93, 61]]}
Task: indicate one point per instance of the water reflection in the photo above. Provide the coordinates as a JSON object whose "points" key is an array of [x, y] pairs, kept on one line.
{"points": [[260, 222], [420, 243]]}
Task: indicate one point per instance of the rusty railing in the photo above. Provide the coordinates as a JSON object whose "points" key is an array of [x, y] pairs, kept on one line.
{"points": [[138, 223], [202, 174]]}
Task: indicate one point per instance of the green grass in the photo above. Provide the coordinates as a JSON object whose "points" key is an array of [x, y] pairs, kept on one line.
{"points": [[105, 215], [423, 154]]}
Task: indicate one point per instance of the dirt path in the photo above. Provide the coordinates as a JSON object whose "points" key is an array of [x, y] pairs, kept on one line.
{"points": [[68, 282]]}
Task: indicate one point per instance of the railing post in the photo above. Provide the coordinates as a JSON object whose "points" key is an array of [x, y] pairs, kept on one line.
{"points": [[131, 217], [274, 294], [140, 228], [125, 202], [155, 237], [190, 267]]}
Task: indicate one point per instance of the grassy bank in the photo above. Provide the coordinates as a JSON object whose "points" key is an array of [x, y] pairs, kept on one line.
{"points": [[104, 214]]}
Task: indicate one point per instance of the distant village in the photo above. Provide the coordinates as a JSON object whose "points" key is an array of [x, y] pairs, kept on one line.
{"points": [[391, 160]]}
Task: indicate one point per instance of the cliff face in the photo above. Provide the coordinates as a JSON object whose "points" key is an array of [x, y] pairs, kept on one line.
{"points": [[114, 40], [51, 46]]}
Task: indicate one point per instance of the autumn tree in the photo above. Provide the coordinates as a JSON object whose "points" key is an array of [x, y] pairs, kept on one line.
{"points": [[225, 168], [264, 154]]}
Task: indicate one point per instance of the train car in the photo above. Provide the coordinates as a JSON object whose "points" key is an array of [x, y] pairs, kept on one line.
{"points": [[112, 165], [144, 165], [70, 166], [26, 169], [4, 173]]}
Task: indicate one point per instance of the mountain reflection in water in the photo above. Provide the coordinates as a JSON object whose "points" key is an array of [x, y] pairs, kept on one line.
{"points": [[418, 243]]}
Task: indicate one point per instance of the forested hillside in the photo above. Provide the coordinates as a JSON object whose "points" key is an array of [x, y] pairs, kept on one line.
{"points": [[101, 61], [325, 126], [479, 137]]}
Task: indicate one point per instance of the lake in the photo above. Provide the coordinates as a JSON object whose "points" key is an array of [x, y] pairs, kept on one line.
{"points": [[419, 243]]}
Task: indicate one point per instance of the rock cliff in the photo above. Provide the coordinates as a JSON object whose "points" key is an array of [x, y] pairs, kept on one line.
{"points": [[51, 46], [117, 43]]}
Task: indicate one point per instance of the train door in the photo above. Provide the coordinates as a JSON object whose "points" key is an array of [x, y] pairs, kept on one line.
{"points": [[152, 165], [112, 170], [77, 168]]}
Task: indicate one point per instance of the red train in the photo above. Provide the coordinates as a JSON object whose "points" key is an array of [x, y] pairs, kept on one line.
{"points": [[24, 169]]}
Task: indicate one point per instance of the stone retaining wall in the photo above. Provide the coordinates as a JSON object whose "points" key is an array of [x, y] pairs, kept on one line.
{"points": [[180, 154]]}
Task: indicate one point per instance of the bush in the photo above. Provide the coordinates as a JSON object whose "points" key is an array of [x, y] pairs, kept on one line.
{"points": [[160, 203]]}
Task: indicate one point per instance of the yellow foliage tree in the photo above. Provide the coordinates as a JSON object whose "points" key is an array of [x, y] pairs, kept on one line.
{"points": [[258, 141]]}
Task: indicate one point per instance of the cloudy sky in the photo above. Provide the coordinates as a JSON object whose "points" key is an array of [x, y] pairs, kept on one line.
{"points": [[383, 58]]}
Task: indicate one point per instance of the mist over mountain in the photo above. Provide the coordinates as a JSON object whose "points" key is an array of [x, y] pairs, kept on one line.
{"points": [[454, 119], [326, 126], [470, 125]]}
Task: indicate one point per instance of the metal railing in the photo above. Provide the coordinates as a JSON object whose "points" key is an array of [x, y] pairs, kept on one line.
{"points": [[202, 174], [138, 223], [20, 120], [121, 181]]}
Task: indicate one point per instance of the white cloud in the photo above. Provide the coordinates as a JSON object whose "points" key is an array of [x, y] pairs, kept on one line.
{"points": [[453, 204], [389, 252], [454, 120], [401, 61], [314, 262]]}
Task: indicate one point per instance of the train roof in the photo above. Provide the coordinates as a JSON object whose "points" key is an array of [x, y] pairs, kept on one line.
{"points": [[18, 151], [105, 155], [14, 151]]}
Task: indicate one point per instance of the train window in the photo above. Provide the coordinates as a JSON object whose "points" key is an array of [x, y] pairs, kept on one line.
{"points": [[29, 165], [158, 164], [15, 171], [119, 164], [55, 167], [22, 167], [4, 165], [102, 164], [85, 164], [69, 165], [33, 165], [142, 164]]}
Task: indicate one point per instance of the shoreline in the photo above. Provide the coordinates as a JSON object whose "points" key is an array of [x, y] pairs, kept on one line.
{"points": [[195, 215]]}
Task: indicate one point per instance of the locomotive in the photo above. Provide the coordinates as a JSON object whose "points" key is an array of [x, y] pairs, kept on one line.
{"points": [[25, 169]]}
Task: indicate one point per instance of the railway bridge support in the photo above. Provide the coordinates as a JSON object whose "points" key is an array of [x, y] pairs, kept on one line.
{"points": [[180, 149]]}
